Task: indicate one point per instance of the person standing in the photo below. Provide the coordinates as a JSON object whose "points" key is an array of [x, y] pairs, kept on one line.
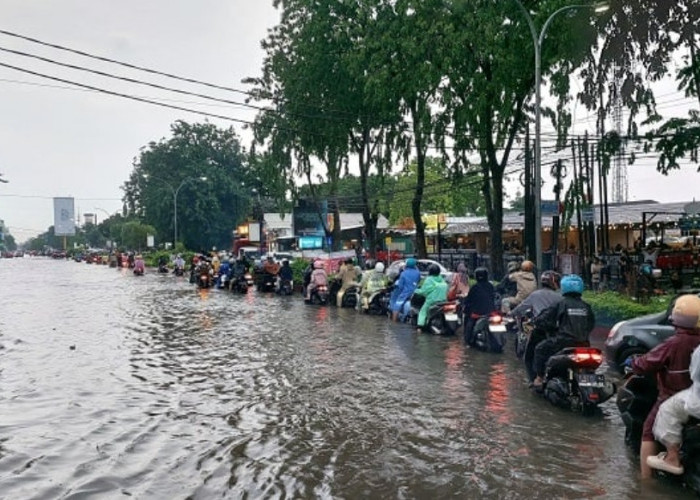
{"points": [[596, 268]]}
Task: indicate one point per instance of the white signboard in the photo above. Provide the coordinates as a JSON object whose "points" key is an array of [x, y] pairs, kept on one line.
{"points": [[150, 241], [64, 216], [254, 232]]}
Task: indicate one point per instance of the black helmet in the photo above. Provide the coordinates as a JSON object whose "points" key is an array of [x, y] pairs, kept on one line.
{"points": [[550, 279], [434, 270], [481, 274]]}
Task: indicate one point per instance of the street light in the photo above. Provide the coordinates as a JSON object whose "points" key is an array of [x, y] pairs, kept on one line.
{"points": [[537, 177], [175, 192]]}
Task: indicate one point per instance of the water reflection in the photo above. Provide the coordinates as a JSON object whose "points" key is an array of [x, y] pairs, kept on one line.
{"points": [[173, 392]]}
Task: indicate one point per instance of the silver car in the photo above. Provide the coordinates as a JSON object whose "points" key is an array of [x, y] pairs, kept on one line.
{"points": [[395, 268]]}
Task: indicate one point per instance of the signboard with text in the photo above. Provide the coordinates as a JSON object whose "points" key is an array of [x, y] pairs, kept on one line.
{"points": [[64, 216]]}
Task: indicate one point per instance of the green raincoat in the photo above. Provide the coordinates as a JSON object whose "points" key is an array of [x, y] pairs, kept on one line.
{"points": [[434, 289]]}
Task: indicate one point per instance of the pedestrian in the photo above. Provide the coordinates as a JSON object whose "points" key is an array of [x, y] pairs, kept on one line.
{"points": [[596, 268]]}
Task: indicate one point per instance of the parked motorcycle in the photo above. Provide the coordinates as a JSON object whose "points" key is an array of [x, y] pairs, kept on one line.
{"points": [[571, 381], [319, 296], [635, 399]]}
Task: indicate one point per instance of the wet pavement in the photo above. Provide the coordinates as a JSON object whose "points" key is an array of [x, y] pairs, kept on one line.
{"points": [[113, 386]]}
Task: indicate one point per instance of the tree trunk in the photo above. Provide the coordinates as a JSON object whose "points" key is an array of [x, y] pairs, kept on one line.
{"points": [[421, 249], [370, 219]]}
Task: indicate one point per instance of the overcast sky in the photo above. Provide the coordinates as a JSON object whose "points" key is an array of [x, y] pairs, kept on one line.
{"points": [[62, 141]]}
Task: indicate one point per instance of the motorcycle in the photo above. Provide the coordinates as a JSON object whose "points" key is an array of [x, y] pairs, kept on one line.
{"points": [[223, 281], [238, 284], [285, 288], [378, 303], [178, 271], [571, 381], [138, 271], [162, 268], [204, 280], [490, 334], [266, 283], [319, 296], [444, 318], [521, 328], [249, 279], [351, 297], [635, 399]]}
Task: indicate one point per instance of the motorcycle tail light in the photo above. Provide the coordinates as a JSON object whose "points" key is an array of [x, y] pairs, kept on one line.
{"points": [[450, 308], [586, 356], [495, 319]]}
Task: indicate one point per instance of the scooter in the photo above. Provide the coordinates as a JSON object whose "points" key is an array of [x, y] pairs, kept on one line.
{"points": [[635, 399], [444, 318], [490, 334], [238, 284], [204, 280], [178, 271], [285, 287], [138, 271], [377, 303], [351, 297], [266, 283], [571, 381], [319, 296]]}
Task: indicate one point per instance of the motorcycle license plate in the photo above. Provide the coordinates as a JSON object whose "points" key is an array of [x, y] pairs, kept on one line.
{"points": [[497, 328], [590, 380], [451, 317]]}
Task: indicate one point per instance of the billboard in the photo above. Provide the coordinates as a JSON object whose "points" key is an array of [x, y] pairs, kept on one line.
{"points": [[64, 216], [308, 218]]}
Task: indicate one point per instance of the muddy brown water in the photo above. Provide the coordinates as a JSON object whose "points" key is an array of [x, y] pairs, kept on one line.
{"points": [[113, 386]]}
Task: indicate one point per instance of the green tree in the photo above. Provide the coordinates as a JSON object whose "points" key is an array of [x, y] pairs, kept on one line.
{"points": [[207, 210], [134, 234]]}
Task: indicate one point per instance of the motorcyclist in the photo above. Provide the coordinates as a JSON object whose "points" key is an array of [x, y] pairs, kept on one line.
{"points": [[215, 263], [286, 273], [508, 287], [525, 282], [673, 414], [139, 265], [479, 302], [270, 266], [669, 361], [347, 274], [459, 288], [372, 282], [537, 302], [434, 289], [162, 264], [179, 263], [569, 324], [224, 272], [318, 278], [204, 268], [405, 286]]}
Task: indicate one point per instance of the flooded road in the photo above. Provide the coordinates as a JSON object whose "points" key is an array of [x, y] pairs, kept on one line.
{"points": [[113, 386]]}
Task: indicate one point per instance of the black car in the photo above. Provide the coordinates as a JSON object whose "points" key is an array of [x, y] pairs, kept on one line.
{"points": [[637, 336]]}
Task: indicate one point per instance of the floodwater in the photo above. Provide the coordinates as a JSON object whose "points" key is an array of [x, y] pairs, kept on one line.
{"points": [[113, 386]]}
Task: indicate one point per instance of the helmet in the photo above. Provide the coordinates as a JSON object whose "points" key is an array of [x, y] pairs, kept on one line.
{"points": [[379, 267], [527, 266], [285, 262], [231, 260], [410, 262], [572, 284], [318, 264], [481, 274], [550, 279], [686, 312], [269, 257], [513, 266], [434, 270]]}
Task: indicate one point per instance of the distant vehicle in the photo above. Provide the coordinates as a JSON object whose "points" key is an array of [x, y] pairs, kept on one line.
{"points": [[251, 253], [278, 256], [423, 264], [637, 336]]}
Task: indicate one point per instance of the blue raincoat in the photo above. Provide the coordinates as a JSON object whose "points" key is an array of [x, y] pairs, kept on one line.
{"points": [[405, 286]]}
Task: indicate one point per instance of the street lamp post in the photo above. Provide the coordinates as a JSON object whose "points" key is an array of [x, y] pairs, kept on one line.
{"points": [[537, 177], [175, 192]]}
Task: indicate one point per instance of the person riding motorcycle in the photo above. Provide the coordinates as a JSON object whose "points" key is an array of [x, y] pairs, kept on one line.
{"points": [[569, 322], [286, 273], [669, 361], [162, 264], [434, 289], [480, 301], [508, 286], [673, 414], [538, 301], [224, 272], [179, 263], [372, 282], [139, 265], [270, 266], [405, 286], [526, 284], [459, 287], [347, 274], [318, 278]]}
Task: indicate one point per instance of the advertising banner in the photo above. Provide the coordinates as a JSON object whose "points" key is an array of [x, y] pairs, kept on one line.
{"points": [[308, 218], [64, 216]]}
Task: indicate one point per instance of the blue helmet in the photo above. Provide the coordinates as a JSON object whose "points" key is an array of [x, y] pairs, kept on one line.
{"points": [[571, 284], [410, 262]]}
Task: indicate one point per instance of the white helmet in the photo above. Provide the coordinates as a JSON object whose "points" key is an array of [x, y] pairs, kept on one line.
{"points": [[379, 267]]}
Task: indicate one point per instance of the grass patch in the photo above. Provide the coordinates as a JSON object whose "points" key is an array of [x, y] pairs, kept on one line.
{"points": [[620, 307]]}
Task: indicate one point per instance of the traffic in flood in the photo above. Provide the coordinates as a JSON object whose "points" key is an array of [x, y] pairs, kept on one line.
{"points": [[149, 387]]}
